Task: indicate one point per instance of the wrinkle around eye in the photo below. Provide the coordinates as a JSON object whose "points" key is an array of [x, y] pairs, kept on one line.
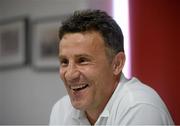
{"points": [[84, 61], [63, 65], [64, 62]]}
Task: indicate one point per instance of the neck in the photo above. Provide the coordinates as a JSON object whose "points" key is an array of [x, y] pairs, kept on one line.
{"points": [[93, 114]]}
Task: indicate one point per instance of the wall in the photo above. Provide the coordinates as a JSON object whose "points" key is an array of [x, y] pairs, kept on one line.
{"points": [[27, 96], [101, 4], [155, 48]]}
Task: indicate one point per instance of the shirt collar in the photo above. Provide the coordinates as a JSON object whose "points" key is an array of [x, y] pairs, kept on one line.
{"points": [[77, 114], [107, 110]]}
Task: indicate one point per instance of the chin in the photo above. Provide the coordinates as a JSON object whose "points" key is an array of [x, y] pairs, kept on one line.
{"points": [[78, 105]]}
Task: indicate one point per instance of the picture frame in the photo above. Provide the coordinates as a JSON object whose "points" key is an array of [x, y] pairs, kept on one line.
{"points": [[45, 43], [13, 42]]}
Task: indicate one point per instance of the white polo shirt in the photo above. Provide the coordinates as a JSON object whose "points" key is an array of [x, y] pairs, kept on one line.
{"points": [[132, 103]]}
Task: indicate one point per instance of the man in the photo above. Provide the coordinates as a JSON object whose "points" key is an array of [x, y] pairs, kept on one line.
{"points": [[91, 55]]}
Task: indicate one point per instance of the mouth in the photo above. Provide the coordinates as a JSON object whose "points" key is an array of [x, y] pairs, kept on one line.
{"points": [[78, 87]]}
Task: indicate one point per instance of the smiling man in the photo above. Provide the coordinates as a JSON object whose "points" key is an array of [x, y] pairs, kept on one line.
{"points": [[91, 55]]}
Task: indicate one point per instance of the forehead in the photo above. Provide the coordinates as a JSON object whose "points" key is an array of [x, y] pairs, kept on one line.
{"points": [[77, 42], [92, 36]]}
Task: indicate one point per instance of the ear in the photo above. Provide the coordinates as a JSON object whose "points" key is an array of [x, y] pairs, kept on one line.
{"points": [[118, 63]]}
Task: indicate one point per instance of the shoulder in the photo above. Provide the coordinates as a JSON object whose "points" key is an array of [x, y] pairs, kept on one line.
{"points": [[60, 110], [64, 101], [62, 105], [140, 104], [131, 93], [138, 92]]}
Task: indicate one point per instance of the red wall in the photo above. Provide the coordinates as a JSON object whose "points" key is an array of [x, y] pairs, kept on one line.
{"points": [[155, 41]]}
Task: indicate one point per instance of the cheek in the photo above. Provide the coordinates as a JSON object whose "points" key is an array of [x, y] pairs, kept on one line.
{"points": [[103, 80], [61, 73]]}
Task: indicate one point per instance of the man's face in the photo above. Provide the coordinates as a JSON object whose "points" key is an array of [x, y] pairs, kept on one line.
{"points": [[86, 70]]}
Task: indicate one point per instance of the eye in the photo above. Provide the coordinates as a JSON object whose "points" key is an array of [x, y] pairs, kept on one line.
{"points": [[83, 60], [64, 62]]}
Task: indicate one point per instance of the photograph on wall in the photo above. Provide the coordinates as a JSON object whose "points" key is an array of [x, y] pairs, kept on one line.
{"points": [[13, 42], [45, 43]]}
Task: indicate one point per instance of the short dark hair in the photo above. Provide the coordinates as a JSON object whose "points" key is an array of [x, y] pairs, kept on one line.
{"points": [[95, 20]]}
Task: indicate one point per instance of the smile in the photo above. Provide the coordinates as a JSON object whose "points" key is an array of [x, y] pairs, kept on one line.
{"points": [[78, 87]]}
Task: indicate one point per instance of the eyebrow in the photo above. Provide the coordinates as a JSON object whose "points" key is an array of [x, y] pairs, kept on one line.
{"points": [[77, 56]]}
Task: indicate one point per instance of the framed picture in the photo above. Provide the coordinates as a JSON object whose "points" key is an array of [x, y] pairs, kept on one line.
{"points": [[13, 38], [45, 43]]}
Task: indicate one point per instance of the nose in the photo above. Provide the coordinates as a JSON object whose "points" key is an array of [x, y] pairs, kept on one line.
{"points": [[72, 74]]}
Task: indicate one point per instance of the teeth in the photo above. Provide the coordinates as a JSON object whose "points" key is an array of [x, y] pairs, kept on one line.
{"points": [[74, 87]]}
